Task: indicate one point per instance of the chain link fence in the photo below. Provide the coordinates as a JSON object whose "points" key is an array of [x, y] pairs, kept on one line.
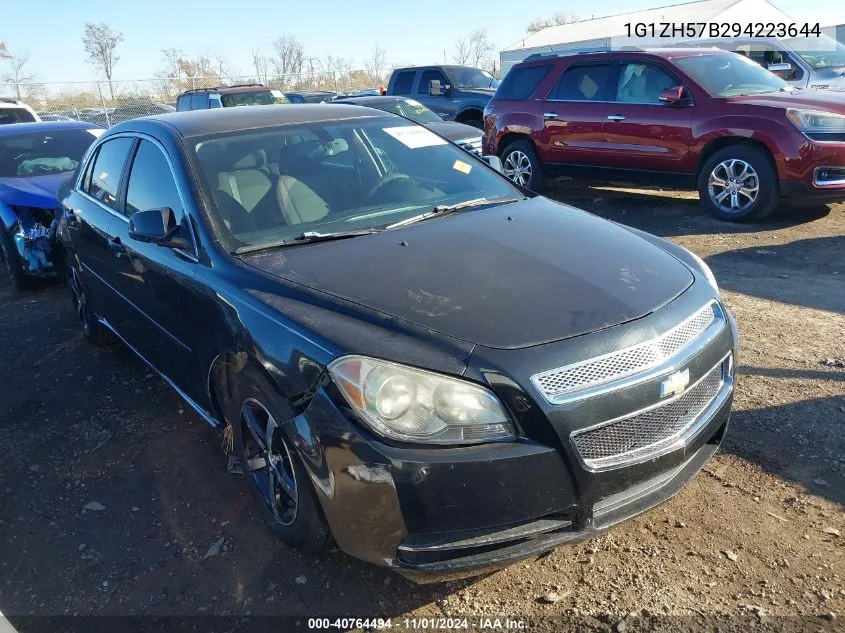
{"points": [[109, 102]]}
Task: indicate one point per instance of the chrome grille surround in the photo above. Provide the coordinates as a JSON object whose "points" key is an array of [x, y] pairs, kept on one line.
{"points": [[472, 145], [656, 430], [633, 364]]}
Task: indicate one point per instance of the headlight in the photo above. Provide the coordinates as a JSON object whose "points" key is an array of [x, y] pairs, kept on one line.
{"points": [[816, 121], [705, 270], [413, 405]]}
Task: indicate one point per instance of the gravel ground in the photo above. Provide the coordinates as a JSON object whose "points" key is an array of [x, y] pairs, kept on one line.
{"points": [[116, 501]]}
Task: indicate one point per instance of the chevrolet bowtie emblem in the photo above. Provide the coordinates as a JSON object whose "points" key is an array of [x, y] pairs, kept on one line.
{"points": [[674, 384]]}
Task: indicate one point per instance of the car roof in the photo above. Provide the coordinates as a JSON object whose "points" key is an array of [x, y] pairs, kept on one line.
{"points": [[221, 120], [46, 126], [662, 53]]}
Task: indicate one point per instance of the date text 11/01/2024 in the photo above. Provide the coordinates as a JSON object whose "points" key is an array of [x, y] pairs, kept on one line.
{"points": [[699, 30], [419, 624]]}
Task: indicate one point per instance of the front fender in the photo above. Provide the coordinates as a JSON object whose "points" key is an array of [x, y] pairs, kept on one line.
{"points": [[7, 216]]}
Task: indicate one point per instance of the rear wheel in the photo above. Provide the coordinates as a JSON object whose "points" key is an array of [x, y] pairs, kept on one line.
{"points": [[739, 183], [277, 479], [91, 327], [12, 261], [521, 165]]}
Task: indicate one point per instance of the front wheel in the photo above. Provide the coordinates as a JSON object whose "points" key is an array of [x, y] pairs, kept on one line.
{"points": [[739, 183], [92, 330], [277, 479], [521, 165], [12, 261]]}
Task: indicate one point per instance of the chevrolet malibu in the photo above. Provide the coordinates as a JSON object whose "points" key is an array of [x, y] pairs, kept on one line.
{"points": [[437, 369]]}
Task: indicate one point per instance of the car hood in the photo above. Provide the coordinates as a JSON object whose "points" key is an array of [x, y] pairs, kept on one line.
{"points": [[831, 100], [36, 191], [512, 276], [454, 131]]}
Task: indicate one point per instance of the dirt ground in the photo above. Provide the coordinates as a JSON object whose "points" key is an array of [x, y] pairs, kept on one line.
{"points": [[754, 542]]}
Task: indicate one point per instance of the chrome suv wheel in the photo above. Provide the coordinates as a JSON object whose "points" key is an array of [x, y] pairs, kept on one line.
{"points": [[738, 183], [733, 185], [521, 165]]}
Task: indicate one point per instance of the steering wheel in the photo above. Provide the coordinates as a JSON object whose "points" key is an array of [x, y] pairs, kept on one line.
{"points": [[388, 181]]}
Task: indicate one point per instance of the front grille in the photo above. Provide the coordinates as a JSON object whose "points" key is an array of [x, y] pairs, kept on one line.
{"points": [[649, 432], [473, 146], [557, 384]]}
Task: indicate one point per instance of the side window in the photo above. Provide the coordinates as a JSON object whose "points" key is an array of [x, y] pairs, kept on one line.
{"points": [[151, 183], [642, 83], [404, 83], [183, 102], [199, 101], [108, 165], [766, 54], [427, 77], [583, 83], [520, 83]]}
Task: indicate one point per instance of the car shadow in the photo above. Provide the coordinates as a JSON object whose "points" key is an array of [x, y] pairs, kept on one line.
{"points": [[668, 212], [800, 441]]}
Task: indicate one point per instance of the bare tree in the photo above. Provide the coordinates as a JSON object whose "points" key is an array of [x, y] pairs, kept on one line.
{"points": [[462, 51], [4, 52], [221, 67], [289, 59], [259, 62], [556, 20], [376, 64], [100, 43], [17, 74]]}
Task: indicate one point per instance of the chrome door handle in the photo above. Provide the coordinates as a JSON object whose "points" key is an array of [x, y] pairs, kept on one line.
{"points": [[550, 115], [615, 117]]}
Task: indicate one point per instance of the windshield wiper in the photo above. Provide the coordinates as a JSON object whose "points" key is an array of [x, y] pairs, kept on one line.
{"points": [[309, 237], [443, 209]]}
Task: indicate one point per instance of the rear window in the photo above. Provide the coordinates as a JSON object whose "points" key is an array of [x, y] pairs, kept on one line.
{"points": [[403, 84], [15, 115], [583, 83], [520, 83], [256, 97]]}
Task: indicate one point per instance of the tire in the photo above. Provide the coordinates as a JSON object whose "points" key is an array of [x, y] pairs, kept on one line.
{"points": [[476, 123], [521, 164], [739, 183], [293, 513], [12, 261], [92, 330]]}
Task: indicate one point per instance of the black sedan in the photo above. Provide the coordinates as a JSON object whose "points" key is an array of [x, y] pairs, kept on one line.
{"points": [[461, 134], [440, 370]]}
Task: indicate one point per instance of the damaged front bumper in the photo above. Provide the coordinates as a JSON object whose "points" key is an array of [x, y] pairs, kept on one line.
{"points": [[34, 238]]}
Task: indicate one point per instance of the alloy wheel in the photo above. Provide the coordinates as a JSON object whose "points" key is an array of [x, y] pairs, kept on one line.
{"points": [[733, 186], [517, 167], [80, 301], [269, 461]]}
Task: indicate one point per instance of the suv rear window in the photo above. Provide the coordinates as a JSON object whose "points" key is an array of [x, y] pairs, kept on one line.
{"points": [[404, 83], [15, 115], [583, 83], [253, 97], [520, 83]]}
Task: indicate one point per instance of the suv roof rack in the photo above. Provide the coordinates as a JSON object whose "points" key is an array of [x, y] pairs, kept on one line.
{"points": [[213, 88], [548, 54]]}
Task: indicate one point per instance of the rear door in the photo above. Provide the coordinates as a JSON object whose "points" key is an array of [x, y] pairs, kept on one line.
{"points": [[89, 211], [640, 131], [574, 113], [156, 283]]}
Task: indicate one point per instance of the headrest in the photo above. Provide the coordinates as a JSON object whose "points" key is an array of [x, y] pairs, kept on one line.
{"points": [[253, 160], [312, 150]]}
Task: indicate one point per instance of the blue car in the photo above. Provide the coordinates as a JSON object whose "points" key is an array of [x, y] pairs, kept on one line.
{"points": [[35, 159]]}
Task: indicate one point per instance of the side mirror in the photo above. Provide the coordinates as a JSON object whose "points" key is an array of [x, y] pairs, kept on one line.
{"points": [[675, 95], [784, 70], [495, 162], [156, 226], [436, 89]]}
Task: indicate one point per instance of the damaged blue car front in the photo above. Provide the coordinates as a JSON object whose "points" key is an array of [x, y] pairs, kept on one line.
{"points": [[35, 159]]}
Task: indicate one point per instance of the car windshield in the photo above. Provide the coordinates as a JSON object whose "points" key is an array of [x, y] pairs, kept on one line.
{"points": [[15, 115], [280, 183], [254, 97], [818, 52], [411, 109], [472, 78], [730, 75], [43, 153]]}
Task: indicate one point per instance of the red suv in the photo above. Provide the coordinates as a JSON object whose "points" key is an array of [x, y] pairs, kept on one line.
{"points": [[696, 117]]}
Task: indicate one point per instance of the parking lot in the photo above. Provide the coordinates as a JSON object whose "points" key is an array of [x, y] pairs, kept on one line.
{"points": [[116, 498]]}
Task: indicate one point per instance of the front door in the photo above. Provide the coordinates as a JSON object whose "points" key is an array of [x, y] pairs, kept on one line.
{"points": [[441, 104], [156, 283], [641, 132], [574, 114]]}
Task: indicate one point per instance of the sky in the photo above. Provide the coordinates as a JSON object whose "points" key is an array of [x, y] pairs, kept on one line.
{"points": [[410, 32]]}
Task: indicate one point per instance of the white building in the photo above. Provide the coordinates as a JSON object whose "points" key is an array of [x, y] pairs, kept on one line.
{"points": [[614, 31]]}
